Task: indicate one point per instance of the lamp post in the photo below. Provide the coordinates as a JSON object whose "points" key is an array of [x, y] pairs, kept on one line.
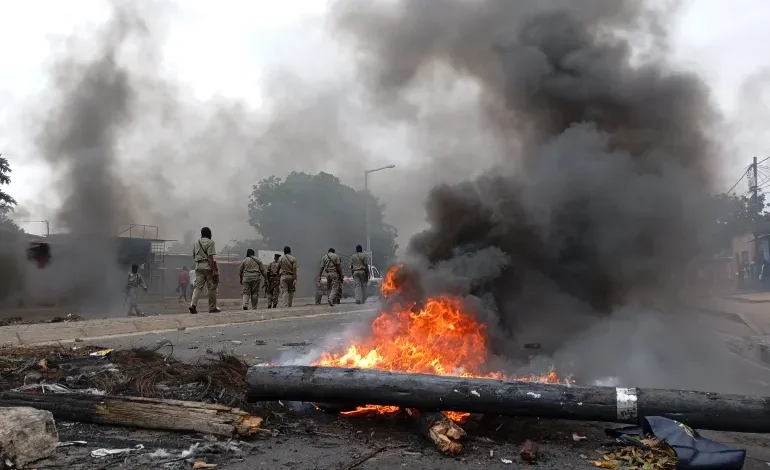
{"points": [[366, 205]]}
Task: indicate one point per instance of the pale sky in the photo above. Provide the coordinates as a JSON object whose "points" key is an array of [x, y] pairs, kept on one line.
{"points": [[725, 40]]}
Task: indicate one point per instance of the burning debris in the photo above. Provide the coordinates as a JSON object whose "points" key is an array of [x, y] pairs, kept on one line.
{"points": [[435, 336]]}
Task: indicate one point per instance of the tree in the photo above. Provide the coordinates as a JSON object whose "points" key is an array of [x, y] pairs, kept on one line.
{"points": [[8, 228], [7, 203], [312, 213], [732, 215], [239, 247]]}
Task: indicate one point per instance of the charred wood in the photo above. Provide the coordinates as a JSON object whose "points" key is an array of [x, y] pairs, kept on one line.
{"points": [[702, 410], [439, 429], [145, 413]]}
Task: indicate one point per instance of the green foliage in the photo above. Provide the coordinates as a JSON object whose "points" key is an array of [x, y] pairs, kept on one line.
{"points": [[7, 203], [732, 215], [8, 229], [239, 247], [312, 213]]}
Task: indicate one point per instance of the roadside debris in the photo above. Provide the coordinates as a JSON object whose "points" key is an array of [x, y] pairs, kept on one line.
{"points": [[143, 413], [203, 464], [528, 451], [664, 444], [70, 317], [108, 452], [26, 435]]}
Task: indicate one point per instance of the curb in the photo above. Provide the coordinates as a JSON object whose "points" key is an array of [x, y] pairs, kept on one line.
{"points": [[25, 335], [736, 317], [746, 301]]}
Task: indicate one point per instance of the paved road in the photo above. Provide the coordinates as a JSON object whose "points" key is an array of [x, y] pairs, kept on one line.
{"points": [[274, 340], [169, 306], [336, 442]]}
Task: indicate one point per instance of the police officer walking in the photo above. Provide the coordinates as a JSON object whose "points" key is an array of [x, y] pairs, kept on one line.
{"points": [[273, 288], [359, 266], [287, 272], [206, 271], [251, 273], [332, 266]]}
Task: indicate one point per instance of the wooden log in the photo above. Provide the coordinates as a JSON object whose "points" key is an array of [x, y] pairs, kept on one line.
{"points": [[145, 413], [701, 410], [442, 431], [26, 435]]}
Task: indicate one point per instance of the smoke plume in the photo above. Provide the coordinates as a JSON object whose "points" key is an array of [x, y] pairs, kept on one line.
{"points": [[602, 153]]}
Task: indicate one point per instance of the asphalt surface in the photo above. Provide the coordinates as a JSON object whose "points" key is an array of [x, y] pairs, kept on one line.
{"points": [[323, 441], [266, 341]]}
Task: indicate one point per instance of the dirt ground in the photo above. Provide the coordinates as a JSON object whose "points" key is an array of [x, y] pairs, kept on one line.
{"points": [[330, 442]]}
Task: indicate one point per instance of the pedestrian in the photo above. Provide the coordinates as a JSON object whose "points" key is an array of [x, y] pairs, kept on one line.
{"points": [[359, 266], [273, 288], [332, 266], [206, 271], [287, 272], [135, 280], [184, 281], [191, 280], [251, 273]]}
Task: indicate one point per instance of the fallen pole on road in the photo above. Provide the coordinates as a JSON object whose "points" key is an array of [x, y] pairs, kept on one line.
{"points": [[701, 410], [145, 413]]}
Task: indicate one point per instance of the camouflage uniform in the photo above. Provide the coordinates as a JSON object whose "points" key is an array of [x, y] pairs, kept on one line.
{"points": [[359, 266], [135, 280], [273, 284], [204, 275], [331, 265], [287, 268], [251, 273]]}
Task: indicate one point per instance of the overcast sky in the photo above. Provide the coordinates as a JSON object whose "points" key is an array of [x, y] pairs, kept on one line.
{"points": [[223, 48]]}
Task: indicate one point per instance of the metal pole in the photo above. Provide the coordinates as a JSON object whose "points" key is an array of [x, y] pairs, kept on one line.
{"points": [[756, 212], [366, 205]]}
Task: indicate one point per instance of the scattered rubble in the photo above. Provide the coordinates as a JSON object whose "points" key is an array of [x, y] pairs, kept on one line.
{"points": [[70, 317], [653, 454], [26, 435], [528, 451]]}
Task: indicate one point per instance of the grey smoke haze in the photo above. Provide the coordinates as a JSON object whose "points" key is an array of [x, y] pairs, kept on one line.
{"points": [[603, 153]]}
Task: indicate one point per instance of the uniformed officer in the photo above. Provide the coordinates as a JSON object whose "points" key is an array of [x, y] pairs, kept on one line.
{"points": [[251, 273], [273, 287], [359, 266], [135, 280], [206, 271], [332, 266], [287, 272]]}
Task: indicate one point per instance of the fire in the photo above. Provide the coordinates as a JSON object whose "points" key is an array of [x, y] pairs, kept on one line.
{"points": [[438, 338]]}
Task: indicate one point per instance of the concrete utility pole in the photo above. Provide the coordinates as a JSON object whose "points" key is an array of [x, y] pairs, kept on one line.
{"points": [[757, 211], [366, 205]]}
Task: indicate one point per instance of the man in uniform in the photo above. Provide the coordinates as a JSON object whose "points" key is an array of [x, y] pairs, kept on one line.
{"points": [[273, 287], [135, 281], [287, 272], [251, 273], [332, 266], [206, 271], [359, 266]]}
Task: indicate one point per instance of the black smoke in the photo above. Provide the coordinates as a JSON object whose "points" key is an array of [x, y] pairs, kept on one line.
{"points": [[608, 150]]}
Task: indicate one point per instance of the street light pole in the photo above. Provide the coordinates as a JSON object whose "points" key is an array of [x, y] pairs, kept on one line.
{"points": [[366, 204]]}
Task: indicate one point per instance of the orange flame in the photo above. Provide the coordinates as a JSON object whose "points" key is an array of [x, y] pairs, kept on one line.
{"points": [[440, 339]]}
